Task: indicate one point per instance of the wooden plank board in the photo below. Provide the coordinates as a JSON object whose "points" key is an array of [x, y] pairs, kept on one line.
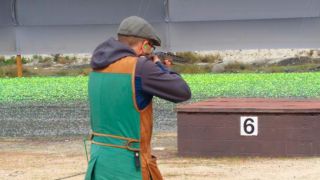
{"points": [[247, 105]]}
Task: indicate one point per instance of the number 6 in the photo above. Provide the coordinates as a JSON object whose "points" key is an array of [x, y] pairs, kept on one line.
{"points": [[248, 126]]}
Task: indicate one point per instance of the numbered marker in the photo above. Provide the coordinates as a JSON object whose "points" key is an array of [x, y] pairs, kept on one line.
{"points": [[248, 125]]}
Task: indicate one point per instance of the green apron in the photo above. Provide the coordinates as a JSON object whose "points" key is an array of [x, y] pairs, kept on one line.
{"points": [[113, 112]]}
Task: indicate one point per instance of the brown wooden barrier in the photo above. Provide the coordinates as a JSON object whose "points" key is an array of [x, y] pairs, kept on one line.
{"points": [[249, 127]]}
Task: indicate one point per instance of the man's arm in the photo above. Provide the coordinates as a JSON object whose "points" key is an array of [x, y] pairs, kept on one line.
{"points": [[157, 80]]}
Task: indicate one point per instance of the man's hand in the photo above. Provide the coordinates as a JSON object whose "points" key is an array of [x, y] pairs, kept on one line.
{"points": [[155, 58], [167, 62]]}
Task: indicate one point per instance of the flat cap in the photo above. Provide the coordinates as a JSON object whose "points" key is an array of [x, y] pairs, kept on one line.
{"points": [[136, 26]]}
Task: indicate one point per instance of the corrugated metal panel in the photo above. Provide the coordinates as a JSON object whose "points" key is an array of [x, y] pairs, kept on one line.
{"points": [[84, 12], [7, 40], [65, 39], [5, 13], [254, 34], [212, 10], [78, 26]]}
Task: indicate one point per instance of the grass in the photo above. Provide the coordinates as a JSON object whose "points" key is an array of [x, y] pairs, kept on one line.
{"points": [[275, 85], [71, 89], [237, 67]]}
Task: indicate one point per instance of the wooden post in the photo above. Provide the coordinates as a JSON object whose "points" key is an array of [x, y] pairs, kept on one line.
{"points": [[19, 65]]}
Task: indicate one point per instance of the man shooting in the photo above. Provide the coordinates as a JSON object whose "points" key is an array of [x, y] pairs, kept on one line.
{"points": [[124, 80]]}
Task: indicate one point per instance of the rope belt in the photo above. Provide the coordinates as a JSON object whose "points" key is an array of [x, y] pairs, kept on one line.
{"points": [[127, 146]]}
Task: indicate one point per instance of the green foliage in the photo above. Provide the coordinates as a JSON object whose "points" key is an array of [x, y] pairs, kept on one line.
{"points": [[210, 58], [192, 57], [191, 68], [238, 67], [44, 89], [55, 57], [8, 71], [45, 60], [58, 58], [276, 85], [69, 89], [11, 71], [11, 61], [2, 59], [189, 56]]}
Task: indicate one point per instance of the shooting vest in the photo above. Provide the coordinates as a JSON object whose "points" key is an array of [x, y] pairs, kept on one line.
{"points": [[121, 133]]}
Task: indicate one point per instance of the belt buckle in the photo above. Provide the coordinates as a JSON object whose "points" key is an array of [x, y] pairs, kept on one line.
{"points": [[129, 142]]}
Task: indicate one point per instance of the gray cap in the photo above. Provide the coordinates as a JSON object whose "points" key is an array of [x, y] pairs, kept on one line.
{"points": [[136, 26]]}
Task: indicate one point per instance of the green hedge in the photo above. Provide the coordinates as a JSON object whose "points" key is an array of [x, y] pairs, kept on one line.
{"points": [[70, 89]]}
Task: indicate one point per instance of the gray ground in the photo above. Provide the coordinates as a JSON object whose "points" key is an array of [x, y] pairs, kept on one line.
{"points": [[61, 119], [38, 153], [56, 158]]}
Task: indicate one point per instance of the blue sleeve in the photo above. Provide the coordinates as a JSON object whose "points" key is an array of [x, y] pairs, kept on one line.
{"points": [[157, 80]]}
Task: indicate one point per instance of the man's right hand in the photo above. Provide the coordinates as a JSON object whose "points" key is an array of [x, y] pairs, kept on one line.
{"points": [[168, 63], [155, 58]]}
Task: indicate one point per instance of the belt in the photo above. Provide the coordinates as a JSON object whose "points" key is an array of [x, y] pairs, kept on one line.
{"points": [[126, 146]]}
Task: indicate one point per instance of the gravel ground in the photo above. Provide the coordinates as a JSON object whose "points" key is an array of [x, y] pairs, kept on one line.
{"points": [[61, 157], [61, 119]]}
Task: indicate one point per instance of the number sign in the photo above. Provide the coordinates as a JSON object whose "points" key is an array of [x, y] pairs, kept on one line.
{"points": [[248, 125]]}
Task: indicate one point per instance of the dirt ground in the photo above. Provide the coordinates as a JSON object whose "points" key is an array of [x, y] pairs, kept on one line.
{"points": [[64, 158]]}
